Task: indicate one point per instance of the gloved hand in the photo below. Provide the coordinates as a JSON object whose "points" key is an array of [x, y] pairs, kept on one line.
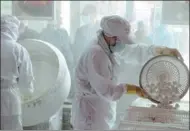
{"points": [[133, 89], [168, 51]]}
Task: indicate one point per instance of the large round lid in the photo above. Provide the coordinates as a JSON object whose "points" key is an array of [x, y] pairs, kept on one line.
{"points": [[52, 82], [165, 79]]}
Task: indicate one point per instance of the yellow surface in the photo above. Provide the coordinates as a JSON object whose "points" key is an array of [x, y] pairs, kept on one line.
{"points": [[131, 89]]}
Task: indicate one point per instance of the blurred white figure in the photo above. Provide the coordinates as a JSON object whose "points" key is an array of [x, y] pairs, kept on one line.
{"points": [[16, 73], [141, 33], [56, 35], [94, 105], [26, 32], [87, 31]]}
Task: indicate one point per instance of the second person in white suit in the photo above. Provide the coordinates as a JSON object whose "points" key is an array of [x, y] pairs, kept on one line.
{"points": [[16, 74]]}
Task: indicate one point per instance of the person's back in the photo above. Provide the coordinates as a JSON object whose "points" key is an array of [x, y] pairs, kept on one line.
{"points": [[86, 91], [9, 60], [16, 74], [82, 67]]}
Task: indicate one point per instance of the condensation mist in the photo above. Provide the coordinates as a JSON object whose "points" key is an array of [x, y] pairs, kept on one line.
{"points": [[76, 23]]}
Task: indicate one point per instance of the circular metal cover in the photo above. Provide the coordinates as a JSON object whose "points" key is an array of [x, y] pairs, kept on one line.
{"points": [[164, 79], [51, 85]]}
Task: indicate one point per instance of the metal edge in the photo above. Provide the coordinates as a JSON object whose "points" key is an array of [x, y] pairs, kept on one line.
{"points": [[149, 97]]}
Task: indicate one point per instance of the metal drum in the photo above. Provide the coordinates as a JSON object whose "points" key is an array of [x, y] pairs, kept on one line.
{"points": [[52, 82]]}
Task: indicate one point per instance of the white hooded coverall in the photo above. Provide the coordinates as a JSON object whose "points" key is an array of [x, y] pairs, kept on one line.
{"points": [[16, 74], [94, 106]]}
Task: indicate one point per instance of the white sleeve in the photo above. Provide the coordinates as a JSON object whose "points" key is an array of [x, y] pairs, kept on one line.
{"points": [[138, 53], [26, 73], [98, 76]]}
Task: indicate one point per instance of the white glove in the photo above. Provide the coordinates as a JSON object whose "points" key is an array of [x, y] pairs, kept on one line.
{"points": [[168, 51]]}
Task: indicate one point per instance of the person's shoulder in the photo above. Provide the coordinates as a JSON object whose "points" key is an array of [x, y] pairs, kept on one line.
{"points": [[20, 50], [95, 49]]}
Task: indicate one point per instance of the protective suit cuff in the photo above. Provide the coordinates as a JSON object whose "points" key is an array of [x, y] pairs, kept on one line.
{"points": [[124, 88]]}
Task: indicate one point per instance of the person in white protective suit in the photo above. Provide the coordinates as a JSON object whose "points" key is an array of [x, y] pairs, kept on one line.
{"points": [[94, 105], [16, 74]]}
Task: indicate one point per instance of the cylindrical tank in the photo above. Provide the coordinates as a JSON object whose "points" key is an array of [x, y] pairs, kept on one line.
{"points": [[52, 82]]}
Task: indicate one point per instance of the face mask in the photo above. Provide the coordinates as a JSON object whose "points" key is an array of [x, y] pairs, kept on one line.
{"points": [[118, 47], [86, 19]]}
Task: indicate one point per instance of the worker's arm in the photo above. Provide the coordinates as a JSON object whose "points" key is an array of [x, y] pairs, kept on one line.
{"points": [[25, 73], [99, 77]]}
